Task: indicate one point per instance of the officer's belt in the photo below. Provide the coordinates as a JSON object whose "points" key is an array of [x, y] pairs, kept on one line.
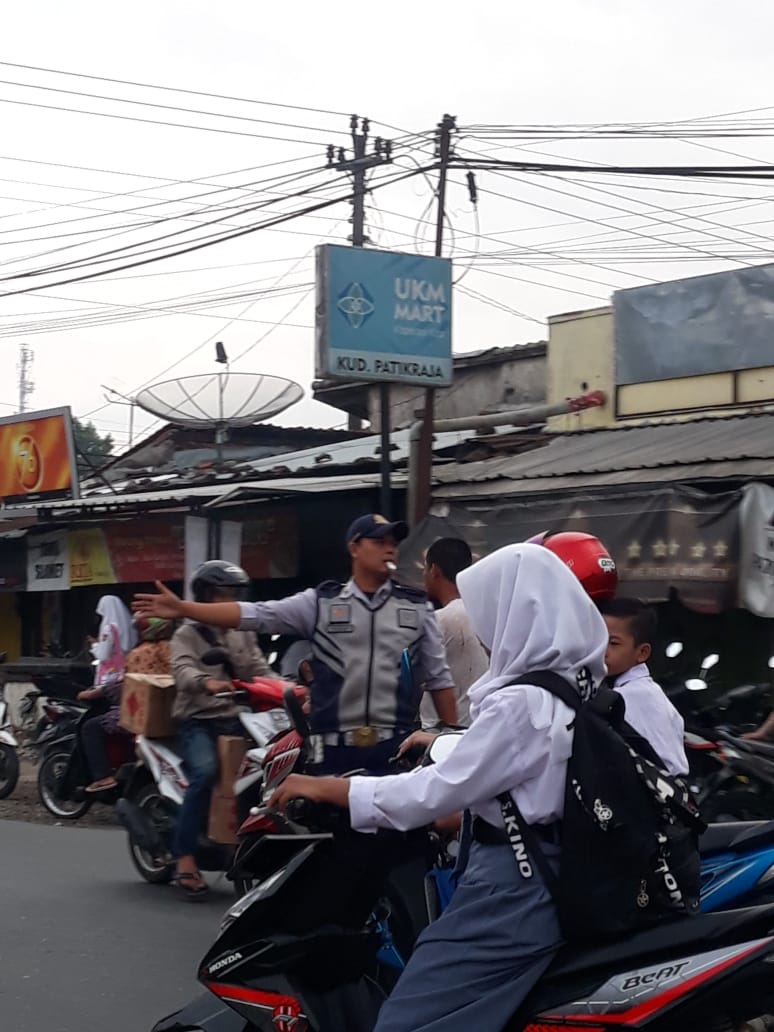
{"points": [[357, 737]]}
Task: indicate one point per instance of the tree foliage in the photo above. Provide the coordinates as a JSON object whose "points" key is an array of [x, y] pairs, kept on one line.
{"points": [[90, 442]]}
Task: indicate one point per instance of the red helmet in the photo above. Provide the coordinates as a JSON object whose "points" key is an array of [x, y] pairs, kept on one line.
{"points": [[588, 559]]}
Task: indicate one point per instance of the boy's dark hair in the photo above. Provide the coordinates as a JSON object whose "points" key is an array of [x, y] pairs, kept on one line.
{"points": [[450, 555], [642, 620]]}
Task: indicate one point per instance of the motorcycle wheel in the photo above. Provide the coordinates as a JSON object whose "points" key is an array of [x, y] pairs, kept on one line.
{"points": [[738, 804], [50, 774], [9, 770], [155, 870]]}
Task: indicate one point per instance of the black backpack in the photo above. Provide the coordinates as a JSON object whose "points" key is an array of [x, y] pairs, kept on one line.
{"points": [[629, 855]]}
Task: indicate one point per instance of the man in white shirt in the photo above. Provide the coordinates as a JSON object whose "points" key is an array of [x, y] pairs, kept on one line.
{"points": [[632, 627], [465, 656]]}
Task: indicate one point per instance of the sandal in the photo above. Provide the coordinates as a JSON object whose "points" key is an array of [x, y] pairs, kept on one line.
{"points": [[193, 895], [103, 785]]}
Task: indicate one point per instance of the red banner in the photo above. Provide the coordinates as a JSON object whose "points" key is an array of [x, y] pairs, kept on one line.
{"points": [[146, 550], [270, 545]]}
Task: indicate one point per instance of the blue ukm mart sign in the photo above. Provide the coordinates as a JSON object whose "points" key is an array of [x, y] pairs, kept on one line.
{"points": [[383, 316]]}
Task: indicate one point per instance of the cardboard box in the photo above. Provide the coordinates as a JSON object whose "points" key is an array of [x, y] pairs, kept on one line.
{"points": [[146, 705], [231, 752], [223, 821]]}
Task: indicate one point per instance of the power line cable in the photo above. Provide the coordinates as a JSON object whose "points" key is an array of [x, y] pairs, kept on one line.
{"points": [[278, 220], [173, 89], [172, 107]]}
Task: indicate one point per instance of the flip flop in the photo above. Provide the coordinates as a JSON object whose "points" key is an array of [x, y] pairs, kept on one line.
{"points": [[105, 785], [193, 895]]}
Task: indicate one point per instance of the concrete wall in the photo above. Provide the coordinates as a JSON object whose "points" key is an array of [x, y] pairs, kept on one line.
{"points": [[580, 359], [581, 356], [476, 388]]}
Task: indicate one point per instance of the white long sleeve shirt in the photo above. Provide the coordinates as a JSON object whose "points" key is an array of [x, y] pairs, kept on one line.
{"points": [[520, 741], [653, 716]]}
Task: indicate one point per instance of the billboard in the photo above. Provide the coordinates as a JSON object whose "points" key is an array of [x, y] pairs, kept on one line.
{"points": [[706, 324], [37, 457], [383, 316]]}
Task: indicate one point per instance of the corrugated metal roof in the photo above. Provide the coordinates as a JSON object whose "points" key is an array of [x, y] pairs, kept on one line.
{"points": [[734, 448], [176, 497]]}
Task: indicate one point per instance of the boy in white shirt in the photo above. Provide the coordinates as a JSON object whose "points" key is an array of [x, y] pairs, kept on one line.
{"points": [[632, 627]]}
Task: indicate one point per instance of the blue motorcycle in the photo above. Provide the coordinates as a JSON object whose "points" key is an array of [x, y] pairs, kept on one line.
{"points": [[737, 865]]}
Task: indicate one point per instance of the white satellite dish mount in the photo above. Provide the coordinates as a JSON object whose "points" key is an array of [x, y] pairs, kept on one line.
{"points": [[221, 400]]}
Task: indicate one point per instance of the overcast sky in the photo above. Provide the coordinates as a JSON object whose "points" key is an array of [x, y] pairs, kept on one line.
{"points": [[404, 65]]}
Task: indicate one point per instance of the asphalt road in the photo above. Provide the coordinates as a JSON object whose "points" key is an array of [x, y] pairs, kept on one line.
{"points": [[85, 945]]}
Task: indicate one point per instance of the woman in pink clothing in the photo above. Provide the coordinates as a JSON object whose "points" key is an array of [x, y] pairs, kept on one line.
{"points": [[116, 636]]}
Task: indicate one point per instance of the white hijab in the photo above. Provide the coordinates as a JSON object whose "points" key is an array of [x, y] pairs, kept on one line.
{"points": [[531, 613], [113, 611]]}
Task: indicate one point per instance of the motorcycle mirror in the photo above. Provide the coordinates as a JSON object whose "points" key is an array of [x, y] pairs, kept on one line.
{"points": [[296, 713], [673, 649], [709, 661], [215, 657], [695, 684], [444, 745]]}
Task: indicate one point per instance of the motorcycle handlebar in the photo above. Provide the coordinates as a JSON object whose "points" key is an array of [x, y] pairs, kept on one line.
{"points": [[317, 815]]}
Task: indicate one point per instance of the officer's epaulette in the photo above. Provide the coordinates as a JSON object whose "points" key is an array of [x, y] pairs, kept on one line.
{"points": [[408, 592], [328, 589]]}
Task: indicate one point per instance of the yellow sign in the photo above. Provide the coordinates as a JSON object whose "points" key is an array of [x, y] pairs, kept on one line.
{"points": [[89, 559]]}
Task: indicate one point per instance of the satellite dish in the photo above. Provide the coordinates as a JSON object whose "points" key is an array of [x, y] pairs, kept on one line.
{"points": [[221, 399]]}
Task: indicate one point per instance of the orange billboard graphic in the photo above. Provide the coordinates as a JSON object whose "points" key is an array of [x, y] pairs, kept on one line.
{"points": [[37, 456]]}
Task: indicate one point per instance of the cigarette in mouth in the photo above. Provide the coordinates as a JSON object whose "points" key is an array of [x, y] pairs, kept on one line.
{"points": [[391, 566]]}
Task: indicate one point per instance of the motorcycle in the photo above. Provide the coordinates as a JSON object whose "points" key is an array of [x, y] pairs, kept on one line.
{"points": [[64, 770], [44, 719], [9, 756], [722, 792], [152, 797], [742, 788], [290, 957]]}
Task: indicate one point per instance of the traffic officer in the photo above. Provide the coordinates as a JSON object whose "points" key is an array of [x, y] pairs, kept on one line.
{"points": [[376, 646]]}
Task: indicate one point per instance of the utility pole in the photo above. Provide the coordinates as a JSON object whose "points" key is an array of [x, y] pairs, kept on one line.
{"points": [[358, 165], [24, 368], [422, 488]]}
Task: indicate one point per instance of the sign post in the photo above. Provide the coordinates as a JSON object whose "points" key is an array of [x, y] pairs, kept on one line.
{"points": [[383, 316]]}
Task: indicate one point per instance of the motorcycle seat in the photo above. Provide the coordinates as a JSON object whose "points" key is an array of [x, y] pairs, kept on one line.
{"points": [[736, 836], [669, 940]]}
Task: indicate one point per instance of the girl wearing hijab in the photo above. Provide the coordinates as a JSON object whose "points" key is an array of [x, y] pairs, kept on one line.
{"points": [[116, 636], [474, 966]]}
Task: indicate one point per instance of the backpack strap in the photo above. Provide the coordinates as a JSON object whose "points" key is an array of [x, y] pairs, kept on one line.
{"points": [[208, 635], [555, 684], [521, 835]]}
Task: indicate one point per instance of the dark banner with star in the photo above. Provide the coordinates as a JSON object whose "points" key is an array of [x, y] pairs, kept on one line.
{"points": [[674, 538]]}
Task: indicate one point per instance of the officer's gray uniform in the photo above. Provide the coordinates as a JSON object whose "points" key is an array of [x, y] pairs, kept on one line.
{"points": [[360, 697]]}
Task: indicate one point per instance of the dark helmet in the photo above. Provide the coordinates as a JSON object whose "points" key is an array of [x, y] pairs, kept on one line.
{"points": [[217, 573], [588, 559]]}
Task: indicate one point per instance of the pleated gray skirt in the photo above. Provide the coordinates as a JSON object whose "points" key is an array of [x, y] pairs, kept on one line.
{"points": [[474, 966]]}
